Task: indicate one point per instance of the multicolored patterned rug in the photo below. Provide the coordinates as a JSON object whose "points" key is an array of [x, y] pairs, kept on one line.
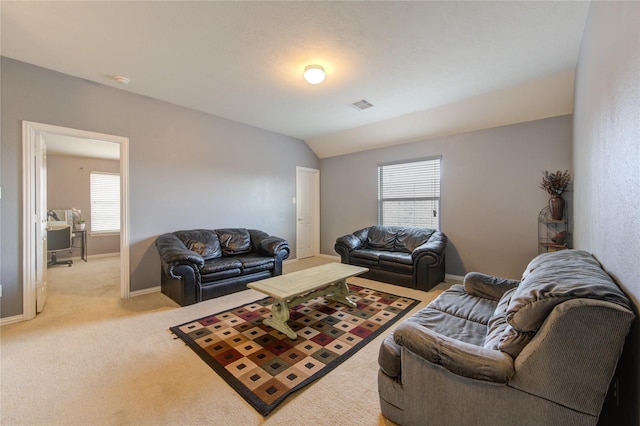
{"points": [[265, 366]]}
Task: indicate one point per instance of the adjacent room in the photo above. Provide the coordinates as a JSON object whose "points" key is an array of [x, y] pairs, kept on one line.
{"points": [[420, 212]]}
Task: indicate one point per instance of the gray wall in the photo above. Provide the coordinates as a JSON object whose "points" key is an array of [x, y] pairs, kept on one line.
{"points": [[68, 187], [607, 166], [490, 196], [187, 169]]}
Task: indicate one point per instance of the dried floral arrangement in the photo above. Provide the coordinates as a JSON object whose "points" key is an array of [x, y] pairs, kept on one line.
{"points": [[77, 216], [555, 183]]}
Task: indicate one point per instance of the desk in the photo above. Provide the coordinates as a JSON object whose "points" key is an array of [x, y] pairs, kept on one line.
{"points": [[82, 236]]}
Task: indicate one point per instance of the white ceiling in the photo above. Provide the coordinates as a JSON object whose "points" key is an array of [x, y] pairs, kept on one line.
{"points": [[429, 68], [79, 147]]}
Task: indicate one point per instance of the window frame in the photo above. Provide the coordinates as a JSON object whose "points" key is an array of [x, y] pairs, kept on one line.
{"points": [[104, 232], [437, 199]]}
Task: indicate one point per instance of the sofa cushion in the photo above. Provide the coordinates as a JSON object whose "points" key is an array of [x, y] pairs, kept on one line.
{"points": [[254, 263], [220, 264], [211, 279], [234, 241], [549, 279], [408, 239], [500, 335], [381, 238], [395, 267], [553, 278], [203, 241], [457, 315], [395, 257], [371, 256]]}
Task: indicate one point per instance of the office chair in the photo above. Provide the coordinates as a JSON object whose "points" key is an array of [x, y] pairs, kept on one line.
{"points": [[59, 239]]}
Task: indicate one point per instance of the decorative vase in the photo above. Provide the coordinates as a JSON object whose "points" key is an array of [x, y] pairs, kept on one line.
{"points": [[556, 206], [79, 226]]}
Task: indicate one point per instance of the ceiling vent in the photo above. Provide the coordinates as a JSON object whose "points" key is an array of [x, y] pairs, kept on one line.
{"points": [[360, 105]]}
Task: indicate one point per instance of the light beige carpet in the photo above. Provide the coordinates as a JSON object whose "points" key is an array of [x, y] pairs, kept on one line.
{"points": [[93, 359]]}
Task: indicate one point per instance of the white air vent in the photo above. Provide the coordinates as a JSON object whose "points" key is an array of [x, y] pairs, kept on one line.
{"points": [[360, 105]]}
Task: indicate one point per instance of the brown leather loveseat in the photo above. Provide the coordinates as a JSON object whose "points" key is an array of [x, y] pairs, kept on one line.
{"points": [[410, 257], [201, 264]]}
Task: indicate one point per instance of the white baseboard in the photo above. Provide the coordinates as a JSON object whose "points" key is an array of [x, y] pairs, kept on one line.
{"points": [[98, 256], [144, 291], [451, 277], [11, 320]]}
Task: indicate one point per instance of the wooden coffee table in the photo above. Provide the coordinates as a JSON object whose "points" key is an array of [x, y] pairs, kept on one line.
{"points": [[289, 290]]}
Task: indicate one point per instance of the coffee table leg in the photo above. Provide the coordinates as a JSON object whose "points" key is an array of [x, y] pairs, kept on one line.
{"points": [[279, 318], [341, 293]]}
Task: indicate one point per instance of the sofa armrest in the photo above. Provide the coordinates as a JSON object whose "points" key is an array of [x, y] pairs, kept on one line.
{"points": [[435, 247], [349, 242], [487, 286], [345, 245], [460, 358], [173, 253], [272, 246]]}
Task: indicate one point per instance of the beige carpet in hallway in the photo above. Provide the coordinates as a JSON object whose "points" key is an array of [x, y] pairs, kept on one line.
{"points": [[93, 359]]}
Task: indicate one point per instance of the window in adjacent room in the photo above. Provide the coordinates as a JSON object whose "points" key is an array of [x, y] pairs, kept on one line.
{"points": [[105, 202], [409, 194]]}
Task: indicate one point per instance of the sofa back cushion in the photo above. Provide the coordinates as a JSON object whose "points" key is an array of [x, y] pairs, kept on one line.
{"points": [[381, 238], [550, 279], [203, 241], [396, 238], [234, 241], [408, 239]]}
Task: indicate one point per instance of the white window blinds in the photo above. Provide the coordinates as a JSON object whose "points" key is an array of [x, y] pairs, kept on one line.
{"points": [[105, 202], [409, 194]]}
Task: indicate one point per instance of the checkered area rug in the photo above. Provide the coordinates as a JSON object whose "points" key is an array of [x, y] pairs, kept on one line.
{"points": [[265, 366]]}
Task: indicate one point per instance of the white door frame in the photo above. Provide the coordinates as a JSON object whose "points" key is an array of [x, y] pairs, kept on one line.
{"points": [[30, 132], [316, 208]]}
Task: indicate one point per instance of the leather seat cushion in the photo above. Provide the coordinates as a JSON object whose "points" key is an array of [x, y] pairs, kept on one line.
{"points": [[364, 257], [396, 267], [255, 263], [396, 257], [211, 279], [220, 264]]}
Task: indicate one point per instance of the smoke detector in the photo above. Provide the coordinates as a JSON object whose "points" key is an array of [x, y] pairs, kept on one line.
{"points": [[121, 79]]}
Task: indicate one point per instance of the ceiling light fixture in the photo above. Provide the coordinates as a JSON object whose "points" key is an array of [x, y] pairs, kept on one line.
{"points": [[314, 74]]}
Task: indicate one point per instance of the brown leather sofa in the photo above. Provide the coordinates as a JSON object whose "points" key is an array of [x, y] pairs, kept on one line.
{"points": [[410, 257], [201, 264]]}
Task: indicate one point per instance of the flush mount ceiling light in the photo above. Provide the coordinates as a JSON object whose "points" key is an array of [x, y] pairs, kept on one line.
{"points": [[314, 74]]}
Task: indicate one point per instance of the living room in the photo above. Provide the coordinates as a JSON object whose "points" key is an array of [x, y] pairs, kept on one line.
{"points": [[183, 162]]}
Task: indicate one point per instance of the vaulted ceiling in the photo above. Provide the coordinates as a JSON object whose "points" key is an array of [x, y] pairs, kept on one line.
{"points": [[428, 67]]}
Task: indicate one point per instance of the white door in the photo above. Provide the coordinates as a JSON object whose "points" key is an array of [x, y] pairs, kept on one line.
{"points": [[40, 168], [308, 211]]}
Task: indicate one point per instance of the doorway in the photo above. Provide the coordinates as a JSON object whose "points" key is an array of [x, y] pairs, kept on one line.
{"points": [[33, 135], [307, 212]]}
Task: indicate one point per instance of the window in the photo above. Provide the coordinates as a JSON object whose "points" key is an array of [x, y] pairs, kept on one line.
{"points": [[409, 194], [105, 202]]}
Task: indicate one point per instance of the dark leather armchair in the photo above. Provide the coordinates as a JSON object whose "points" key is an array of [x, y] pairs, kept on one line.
{"points": [[410, 257], [201, 264]]}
